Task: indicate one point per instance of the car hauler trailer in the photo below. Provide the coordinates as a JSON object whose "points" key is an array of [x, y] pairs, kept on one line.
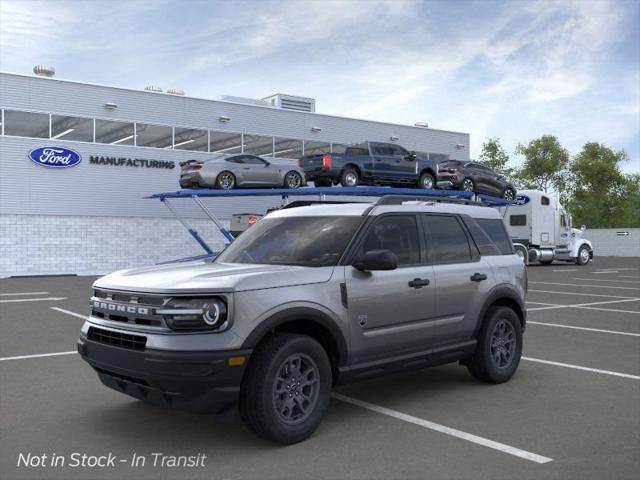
{"points": [[541, 230]]}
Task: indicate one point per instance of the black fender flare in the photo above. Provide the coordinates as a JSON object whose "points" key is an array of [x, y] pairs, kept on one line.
{"points": [[308, 314], [498, 293]]}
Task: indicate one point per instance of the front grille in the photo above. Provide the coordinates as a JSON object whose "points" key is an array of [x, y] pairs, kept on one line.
{"points": [[126, 378], [117, 339], [138, 309]]}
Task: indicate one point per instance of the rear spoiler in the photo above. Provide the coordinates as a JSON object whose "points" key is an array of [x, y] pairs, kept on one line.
{"points": [[189, 162]]}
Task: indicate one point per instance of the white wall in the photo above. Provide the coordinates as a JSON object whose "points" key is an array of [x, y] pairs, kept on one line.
{"points": [[606, 242]]}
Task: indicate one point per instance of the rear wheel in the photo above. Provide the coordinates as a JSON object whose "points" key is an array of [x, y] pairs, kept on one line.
{"points": [[584, 255], [468, 185], [286, 388], [509, 194], [226, 180], [350, 177], [293, 179], [499, 348], [426, 181]]}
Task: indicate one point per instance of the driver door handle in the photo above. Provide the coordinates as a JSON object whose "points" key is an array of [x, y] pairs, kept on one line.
{"points": [[419, 283], [478, 277]]}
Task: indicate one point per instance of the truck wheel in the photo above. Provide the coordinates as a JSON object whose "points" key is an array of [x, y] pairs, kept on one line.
{"points": [[468, 185], [226, 180], [349, 178], [285, 391], [426, 181], [522, 252], [499, 346], [584, 255]]}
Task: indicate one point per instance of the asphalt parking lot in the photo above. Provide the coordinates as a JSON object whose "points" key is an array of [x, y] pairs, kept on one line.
{"points": [[571, 411]]}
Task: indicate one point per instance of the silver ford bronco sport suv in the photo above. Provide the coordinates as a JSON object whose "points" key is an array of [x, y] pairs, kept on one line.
{"points": [[309, 298]]}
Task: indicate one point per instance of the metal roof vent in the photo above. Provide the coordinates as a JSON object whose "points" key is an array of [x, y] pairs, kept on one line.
{"points": [[292, 102], [44, 71], [175, 91], [153, 88]]}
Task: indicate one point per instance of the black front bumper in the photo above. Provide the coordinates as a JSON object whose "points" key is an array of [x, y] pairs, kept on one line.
{"points": [[200, 382]]}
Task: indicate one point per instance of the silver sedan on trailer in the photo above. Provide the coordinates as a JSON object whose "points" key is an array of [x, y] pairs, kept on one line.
{"points": [[243, 170]]}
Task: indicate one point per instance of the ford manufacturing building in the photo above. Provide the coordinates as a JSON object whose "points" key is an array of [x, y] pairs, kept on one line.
{"points": [[92, 218]]}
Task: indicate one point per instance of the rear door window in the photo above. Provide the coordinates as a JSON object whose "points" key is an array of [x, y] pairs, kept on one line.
{"points": [[398, 233], [448, 242]]}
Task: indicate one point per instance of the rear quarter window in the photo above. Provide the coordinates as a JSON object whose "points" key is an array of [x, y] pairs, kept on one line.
{"points": [[490, 236]]}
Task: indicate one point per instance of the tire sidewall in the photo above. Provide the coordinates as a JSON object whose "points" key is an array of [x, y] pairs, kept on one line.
{"points": [[225, 173], [421, 181], [473, 184], [345, 173], [495, 374], [292, 172], [579, 257], [274, 428]]}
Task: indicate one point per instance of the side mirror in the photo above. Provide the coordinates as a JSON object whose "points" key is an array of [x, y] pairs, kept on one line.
{"points": [[411, 157], [377, 260]]}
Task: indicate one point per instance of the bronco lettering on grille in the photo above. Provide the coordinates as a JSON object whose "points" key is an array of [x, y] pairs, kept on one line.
{"points": [[115, 307]]}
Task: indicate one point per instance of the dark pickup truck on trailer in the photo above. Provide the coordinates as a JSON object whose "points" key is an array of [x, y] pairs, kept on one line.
{"points": [[371, 163]]}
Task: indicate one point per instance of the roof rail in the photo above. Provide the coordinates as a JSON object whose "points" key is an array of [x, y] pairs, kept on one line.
{"points": [[399, 199]]}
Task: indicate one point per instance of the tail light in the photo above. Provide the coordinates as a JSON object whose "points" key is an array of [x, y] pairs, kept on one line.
{"points": [[252, 219], [453, 170], [299, 162], [326, 161], [197, 166]]}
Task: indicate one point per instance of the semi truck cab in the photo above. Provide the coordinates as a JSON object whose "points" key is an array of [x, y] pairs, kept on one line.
{"points": [[541, 230]]}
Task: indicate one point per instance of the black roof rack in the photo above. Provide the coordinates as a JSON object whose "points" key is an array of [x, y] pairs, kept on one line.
{"points": [[399, 199]]}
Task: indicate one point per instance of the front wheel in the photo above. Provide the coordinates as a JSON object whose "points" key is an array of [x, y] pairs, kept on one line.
{"points": [[226, 180], [509, 194], [426, 181], [286, 388], [293, 180], [584, 255], [499, 348]]}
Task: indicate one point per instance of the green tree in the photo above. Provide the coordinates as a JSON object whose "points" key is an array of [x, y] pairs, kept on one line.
{"points": [[599, 194], [631, 209], [494, 156], [545, 164]]}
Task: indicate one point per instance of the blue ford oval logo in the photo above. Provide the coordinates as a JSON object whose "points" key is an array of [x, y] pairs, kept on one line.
{"points": [[521, 200], [55, 157]]}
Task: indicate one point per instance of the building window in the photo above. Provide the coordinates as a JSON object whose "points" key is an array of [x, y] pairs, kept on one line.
{"points": [[191, 139], [114, 133], [26, 124], [158, 136], [258, 145], [316, 148], [287, 148], [71, 128], [225, 143]]}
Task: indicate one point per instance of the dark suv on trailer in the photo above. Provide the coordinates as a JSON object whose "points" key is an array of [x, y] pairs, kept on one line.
{"points": [[474, 177], [309, 298]]}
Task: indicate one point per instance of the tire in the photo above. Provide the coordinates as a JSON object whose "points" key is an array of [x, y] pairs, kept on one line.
{"points": [[584, 255], [486, 364], [522, 252], [322, 182], [349, 177], [268, 372], [468, 185], [427, 181], [225, 180], [509, 194], [293, 180]]}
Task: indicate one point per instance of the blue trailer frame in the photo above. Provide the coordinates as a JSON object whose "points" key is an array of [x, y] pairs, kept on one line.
{"points": [[321, 193]]}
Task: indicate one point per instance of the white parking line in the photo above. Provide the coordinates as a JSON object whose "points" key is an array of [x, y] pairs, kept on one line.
{"points": [[581, 294], [608, 271], [607, 280], [73, 314], [22, 293], [610, 310], [580, 285], [583, 305], [485, 442], [48, 299], [566, 270], [579, 367], [629, 276], [40, 355], [540, 303], [615, 332]]}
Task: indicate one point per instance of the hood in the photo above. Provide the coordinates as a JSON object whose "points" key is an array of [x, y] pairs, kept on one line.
{"points": [[201, 276]]}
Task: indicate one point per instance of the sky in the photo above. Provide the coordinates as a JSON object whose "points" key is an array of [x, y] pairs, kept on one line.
{"points": [[510, 69]]}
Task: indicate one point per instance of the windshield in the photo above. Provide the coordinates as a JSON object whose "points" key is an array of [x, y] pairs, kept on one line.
{"points": [[303, 241]]}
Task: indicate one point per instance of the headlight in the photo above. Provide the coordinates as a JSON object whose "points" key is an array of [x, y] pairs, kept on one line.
{"points": [[195, 314]]}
